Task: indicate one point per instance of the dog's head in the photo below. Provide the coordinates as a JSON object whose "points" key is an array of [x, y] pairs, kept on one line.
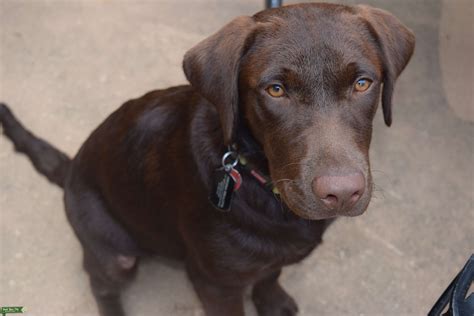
{"points": [[306, 79]]}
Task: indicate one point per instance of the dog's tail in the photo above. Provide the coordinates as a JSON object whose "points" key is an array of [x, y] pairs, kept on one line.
{"points": [[48, 160]]}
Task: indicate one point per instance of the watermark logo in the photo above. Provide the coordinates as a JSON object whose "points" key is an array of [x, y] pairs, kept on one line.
{"points": [[11, 310]]}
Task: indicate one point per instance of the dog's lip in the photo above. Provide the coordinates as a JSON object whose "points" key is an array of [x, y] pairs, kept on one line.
{"points": [[316, 216], [325, 214]]}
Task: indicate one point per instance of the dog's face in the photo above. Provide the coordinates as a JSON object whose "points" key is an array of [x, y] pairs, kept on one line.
{"points": [[306, 80]]}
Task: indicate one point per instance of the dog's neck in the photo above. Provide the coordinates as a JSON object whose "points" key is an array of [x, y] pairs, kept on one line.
{"points": [[250, 148], [265, 202]]}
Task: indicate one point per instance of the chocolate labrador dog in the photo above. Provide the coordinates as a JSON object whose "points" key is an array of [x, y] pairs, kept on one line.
{"points": [[239, 173]]}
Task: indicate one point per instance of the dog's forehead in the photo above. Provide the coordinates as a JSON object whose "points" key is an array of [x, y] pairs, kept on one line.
{"points": [[315, 35], [312, 17]]}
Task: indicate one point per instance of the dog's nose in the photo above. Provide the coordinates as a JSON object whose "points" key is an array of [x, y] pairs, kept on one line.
{"points": [[339, 191]]}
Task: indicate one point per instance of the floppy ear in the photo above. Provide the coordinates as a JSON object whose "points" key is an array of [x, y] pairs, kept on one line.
{"points": [[212, 67], [396, 42]]}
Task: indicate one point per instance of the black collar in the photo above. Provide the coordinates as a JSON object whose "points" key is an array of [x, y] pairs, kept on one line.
{"points": [[252, 158], [263, 179], [245, 155]]}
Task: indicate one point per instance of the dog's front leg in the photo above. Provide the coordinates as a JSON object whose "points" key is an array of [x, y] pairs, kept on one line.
{"points": [[270, 298], [217, 300]]}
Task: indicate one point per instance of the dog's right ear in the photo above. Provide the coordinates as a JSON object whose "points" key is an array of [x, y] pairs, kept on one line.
{"points": [[212, 67]]}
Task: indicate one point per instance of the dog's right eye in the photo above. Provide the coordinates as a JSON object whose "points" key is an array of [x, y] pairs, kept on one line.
{"points": [[276, 90], [362, 85]]}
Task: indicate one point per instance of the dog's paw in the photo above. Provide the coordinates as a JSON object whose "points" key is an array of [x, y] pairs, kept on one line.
{"points": [[274, 301]]}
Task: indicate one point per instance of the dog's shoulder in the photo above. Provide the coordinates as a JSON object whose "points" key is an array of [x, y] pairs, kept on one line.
{"points": [[139, 127]]}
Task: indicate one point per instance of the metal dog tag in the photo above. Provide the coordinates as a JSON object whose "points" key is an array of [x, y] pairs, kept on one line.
{"points": [[222, 191], [226, 180]]}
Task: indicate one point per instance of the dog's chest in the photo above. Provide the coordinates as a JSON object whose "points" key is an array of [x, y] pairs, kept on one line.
{"points": [[248, 250]]}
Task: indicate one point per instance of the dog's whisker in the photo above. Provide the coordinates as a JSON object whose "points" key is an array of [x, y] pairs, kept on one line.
{"points": [[283, 180], [377, 191], [294, 163]]}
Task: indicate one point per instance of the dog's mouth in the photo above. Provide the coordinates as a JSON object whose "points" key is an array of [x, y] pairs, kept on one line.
{"points": [[302, 202]]}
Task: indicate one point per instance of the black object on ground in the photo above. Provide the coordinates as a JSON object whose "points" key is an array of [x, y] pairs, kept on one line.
{"points": [[456, 295]]}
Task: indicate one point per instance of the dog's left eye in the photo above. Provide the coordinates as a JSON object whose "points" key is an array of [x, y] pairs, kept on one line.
{"points": [[362, 85], [276, 90]]}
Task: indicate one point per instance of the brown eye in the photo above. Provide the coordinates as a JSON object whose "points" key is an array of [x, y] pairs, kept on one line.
{"points": [[276, 90], [362, 85]]}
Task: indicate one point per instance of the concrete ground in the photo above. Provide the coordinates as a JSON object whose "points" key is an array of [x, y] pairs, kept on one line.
{"points": [[65, 65]]}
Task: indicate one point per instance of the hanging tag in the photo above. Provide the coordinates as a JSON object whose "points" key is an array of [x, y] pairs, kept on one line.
{"points": [[223, 187], [237, 177], [226, 180]]}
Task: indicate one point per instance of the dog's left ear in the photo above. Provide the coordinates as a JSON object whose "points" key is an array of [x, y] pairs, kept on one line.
{"points": [[396, 42], [212, 67]]}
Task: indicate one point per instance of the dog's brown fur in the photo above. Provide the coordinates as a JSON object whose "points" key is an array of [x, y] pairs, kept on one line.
{"points": [[140, 183]]}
